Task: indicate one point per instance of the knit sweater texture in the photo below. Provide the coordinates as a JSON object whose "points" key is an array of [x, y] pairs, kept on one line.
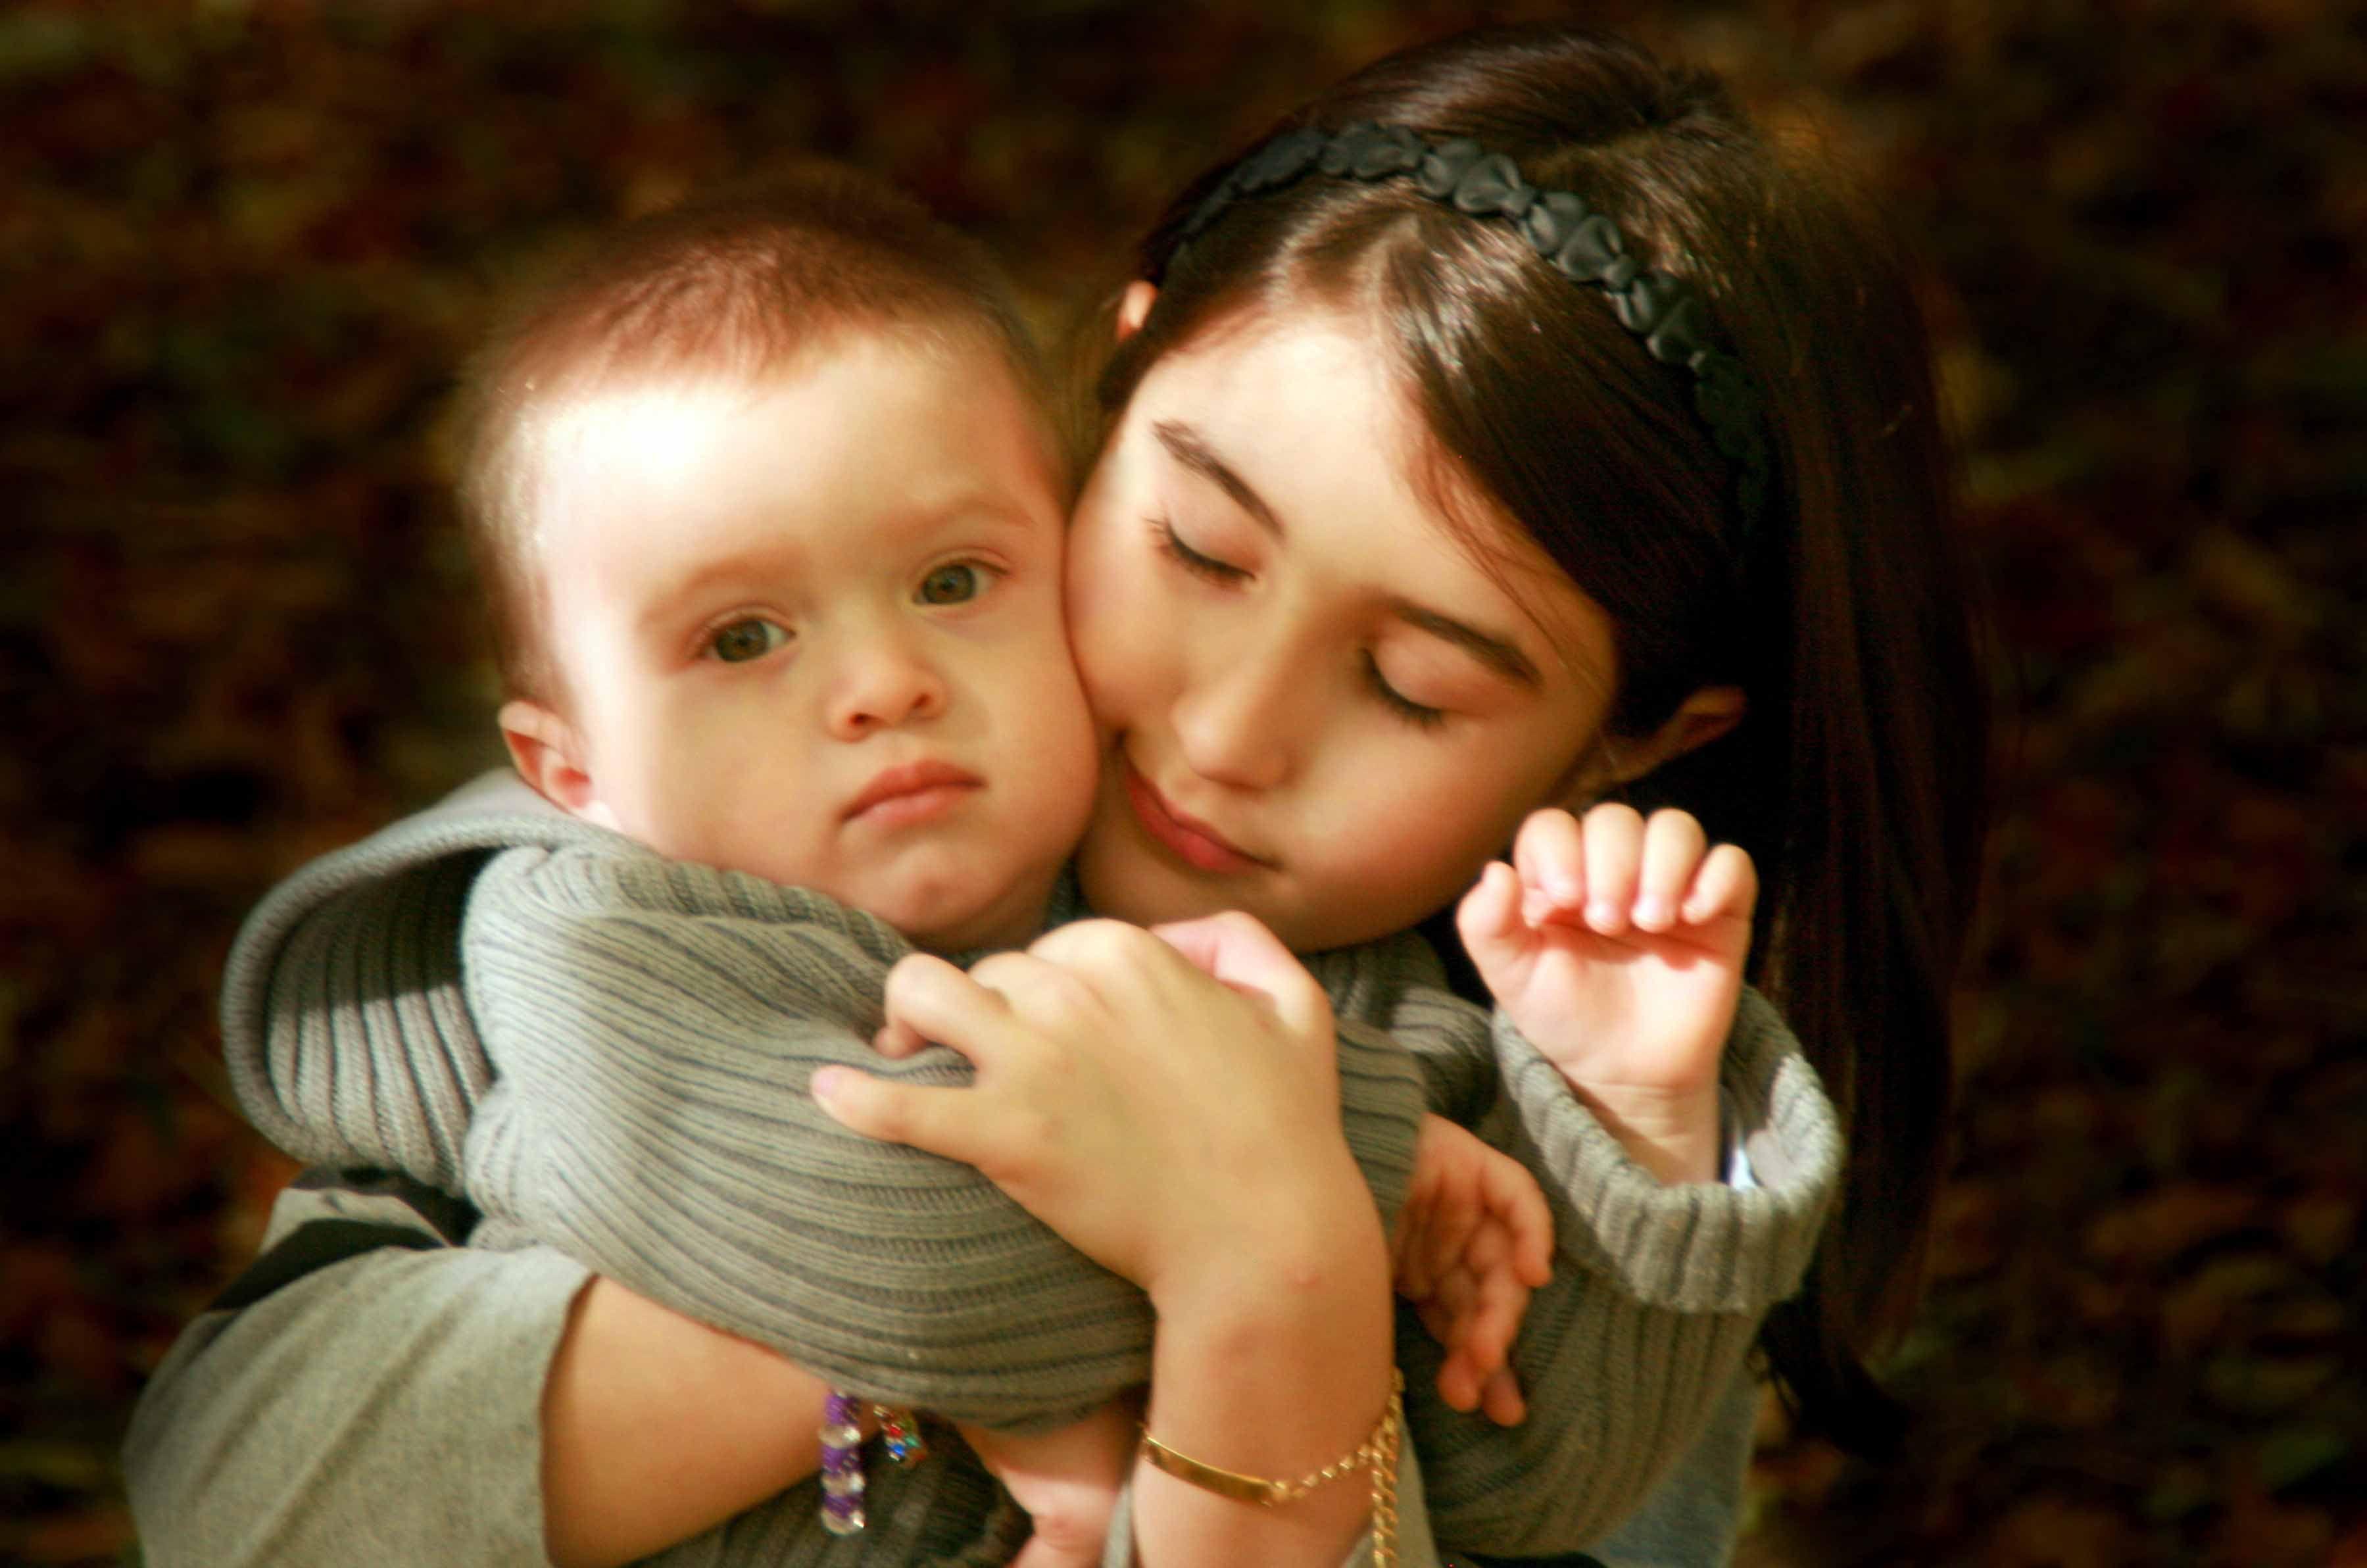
{"points": [[607, 1052]]}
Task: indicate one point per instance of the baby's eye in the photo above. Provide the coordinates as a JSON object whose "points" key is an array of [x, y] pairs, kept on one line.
{"points": [[956, 583], [751, 638]]}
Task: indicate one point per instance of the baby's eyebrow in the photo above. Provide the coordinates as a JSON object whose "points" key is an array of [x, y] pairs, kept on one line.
{"points": [[674, 598], [1498, 654], [1190, 448]]}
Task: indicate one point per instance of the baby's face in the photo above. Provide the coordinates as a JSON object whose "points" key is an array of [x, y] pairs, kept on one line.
{"points": [[811, 630]]}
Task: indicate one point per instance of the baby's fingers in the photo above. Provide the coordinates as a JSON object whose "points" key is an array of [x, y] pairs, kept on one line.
{"points": [[1517, 1205], [1460, 1380], [1726, 887], [1491, 913], [1673, 845], [1498, 1300], [1446, 1231], [1550, 855], [1615, 854], [1501, 1399]]}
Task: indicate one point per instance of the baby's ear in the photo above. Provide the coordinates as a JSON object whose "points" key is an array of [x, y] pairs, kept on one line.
{"points": [[548, 755], [1134, 307]]}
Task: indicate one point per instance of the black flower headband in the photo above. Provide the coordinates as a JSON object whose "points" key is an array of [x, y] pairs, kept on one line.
{"points": [[1581, 244]]}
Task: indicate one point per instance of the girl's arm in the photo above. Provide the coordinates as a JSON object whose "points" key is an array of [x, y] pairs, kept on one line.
{"points": [[448, 1404], [656, 1427], [1185, 1135]]}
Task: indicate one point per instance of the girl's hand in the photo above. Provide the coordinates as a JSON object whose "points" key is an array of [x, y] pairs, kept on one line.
{"points": [[1617, 947], [1474, 1239], [1168, 1102]]}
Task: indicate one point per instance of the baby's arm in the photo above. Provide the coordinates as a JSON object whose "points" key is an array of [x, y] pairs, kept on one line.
{"points": [[1628, 1351], [1616, 946], [655, 1027]]}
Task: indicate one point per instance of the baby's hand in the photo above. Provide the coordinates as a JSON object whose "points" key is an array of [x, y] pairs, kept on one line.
{"points": [[1066, 1480], [1618, 948], [1474, 1239]]}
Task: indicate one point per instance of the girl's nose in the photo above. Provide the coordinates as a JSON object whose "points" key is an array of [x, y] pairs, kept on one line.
{"points": [[882, 681], [1241, 720]]}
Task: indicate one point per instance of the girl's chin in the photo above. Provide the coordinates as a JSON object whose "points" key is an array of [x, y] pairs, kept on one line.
{"points": [[1128, 882]]}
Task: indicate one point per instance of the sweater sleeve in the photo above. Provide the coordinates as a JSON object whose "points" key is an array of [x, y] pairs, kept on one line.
{"points": [[653, 1027], [1657, 1295], [324, 1415]]}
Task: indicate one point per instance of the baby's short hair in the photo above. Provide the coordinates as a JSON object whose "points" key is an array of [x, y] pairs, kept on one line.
{"points": [[736, 282]]}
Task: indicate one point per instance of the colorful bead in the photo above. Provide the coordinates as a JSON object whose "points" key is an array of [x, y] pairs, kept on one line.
{"points": [[900, 1431], [842, 1466]]}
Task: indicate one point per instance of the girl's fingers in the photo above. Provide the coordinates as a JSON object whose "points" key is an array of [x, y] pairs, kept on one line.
{"points": [[1673, 845], [1550, 855], [1615, 851], [897, 1039], [1237, 950], [941, 1120], [927, 997], [1726, 886]]}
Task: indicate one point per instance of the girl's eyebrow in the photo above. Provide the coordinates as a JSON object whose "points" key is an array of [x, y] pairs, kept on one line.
{"points": [[1187, 446], [1498, 654]]}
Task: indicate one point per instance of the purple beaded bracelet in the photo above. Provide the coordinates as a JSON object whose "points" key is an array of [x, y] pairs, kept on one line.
{"points": [[841, 1456]]}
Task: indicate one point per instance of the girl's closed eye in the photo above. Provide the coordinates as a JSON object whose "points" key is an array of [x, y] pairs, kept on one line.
{"points": [[1417, 713], [749, 637], [1200, 565]]}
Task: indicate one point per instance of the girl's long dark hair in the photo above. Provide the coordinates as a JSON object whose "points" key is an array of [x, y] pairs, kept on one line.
{"points": [[1857, 779]]}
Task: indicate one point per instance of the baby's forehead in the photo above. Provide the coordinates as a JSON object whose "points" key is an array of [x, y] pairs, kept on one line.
{"points": [[937, 420], [582, 415]]}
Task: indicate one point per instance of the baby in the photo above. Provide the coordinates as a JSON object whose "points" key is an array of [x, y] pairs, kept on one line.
{"points": [[777, 592]]}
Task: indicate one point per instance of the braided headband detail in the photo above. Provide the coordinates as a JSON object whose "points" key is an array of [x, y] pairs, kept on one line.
{"points": [[1580, 243]]}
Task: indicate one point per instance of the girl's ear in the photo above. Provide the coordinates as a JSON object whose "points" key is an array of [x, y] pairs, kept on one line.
{"points": [[1700, 719], [548, 757], [1134, 307]]}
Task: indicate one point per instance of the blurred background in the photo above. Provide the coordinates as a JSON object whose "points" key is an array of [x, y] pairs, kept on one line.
{"points": [[242, 246]]}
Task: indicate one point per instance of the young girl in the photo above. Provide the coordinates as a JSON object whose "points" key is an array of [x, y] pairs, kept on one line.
{"points": [[1748, 591]]}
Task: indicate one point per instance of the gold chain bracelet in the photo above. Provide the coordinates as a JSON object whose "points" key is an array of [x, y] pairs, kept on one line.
{"points": [[1376, 1454]]}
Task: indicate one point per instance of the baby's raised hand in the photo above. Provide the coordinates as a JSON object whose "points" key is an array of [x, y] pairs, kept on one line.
{"points": [[1616, 946], [1068, 1481], [1474, 1238]]}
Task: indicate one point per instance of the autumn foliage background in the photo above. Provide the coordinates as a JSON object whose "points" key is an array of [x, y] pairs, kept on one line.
{"points": [[242, 247]]}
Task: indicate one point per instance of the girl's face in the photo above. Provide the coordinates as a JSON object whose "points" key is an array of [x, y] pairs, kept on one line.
{"points": [[1315, 705]]}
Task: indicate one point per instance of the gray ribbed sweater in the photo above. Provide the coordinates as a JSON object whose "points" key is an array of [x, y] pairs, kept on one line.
{"points": [[608, 1052]]}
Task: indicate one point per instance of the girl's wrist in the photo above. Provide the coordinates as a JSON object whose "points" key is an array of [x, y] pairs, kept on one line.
{"points": [[1280, 1241], [1271, 1362]]}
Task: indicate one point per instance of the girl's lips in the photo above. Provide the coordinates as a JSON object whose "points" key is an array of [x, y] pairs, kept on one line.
{"points": [[1191, 842]]}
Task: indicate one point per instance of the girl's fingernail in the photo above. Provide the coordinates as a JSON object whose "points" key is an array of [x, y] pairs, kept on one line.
{"points": [[1601, 913], [1651, 910], [827, 1082]]}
